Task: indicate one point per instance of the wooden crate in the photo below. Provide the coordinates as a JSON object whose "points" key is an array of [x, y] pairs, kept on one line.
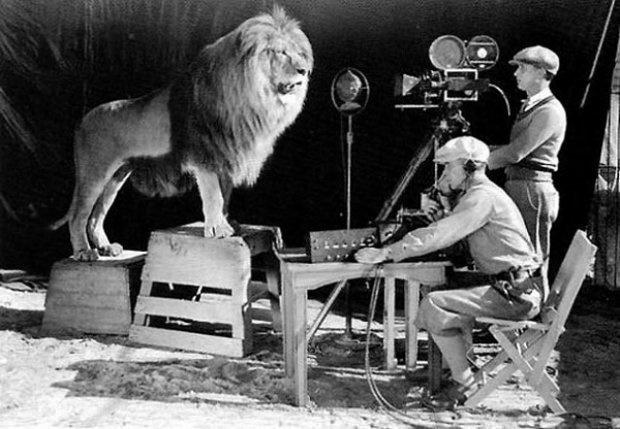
{"points": [[194, 292], [93, 297]]}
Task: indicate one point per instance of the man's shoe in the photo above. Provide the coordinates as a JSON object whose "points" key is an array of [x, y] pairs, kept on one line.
{"points": [[451, 395], [446, 375]]}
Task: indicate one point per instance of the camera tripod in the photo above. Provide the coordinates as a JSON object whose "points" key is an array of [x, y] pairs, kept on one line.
{"points": [[449, 123]]}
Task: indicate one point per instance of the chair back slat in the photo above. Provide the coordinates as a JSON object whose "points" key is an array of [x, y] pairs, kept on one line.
{"points": [[563, 293], [569, 278]]}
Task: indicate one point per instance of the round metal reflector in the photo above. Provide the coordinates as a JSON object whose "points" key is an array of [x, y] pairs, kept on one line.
{"points": [[482, 52], [447, 52]]}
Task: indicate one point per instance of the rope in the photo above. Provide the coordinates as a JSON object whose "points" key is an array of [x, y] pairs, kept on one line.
{"points": [[612, 4]]}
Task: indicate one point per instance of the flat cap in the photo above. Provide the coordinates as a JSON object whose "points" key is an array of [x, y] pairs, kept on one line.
{"points": [[465, 148], [538, 56]]}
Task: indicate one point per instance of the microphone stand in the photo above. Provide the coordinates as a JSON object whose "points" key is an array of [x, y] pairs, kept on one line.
{"points": [[342, 285], [347, 300], [349, 143]]}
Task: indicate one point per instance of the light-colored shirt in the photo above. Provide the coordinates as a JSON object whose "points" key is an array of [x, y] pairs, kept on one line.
{"points": [[535, 138], [536, 98], [488, 219]]}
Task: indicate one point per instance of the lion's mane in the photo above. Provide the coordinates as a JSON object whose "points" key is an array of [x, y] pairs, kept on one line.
{"points": [[224, 110]]}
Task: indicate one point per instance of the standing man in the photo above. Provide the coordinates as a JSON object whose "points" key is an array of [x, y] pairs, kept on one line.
{"points": [[509, 286], [531, 156]]}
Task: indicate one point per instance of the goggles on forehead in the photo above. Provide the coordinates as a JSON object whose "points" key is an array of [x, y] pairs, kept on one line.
{"points": [[458, 161]]}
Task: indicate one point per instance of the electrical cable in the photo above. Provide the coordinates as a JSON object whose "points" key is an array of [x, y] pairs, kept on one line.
{"points": [[503, 94], [389, 408]]}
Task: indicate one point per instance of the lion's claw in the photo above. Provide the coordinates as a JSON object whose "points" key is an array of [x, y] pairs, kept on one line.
{"points": [[219, 231], [114, 249], [86, 255]]}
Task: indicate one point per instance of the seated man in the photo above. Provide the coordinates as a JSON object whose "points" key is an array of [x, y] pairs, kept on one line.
{"points": [[487, 218]]}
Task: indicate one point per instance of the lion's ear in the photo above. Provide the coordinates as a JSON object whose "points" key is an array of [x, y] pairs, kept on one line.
{"points": [[239, 42], [243, 47]]}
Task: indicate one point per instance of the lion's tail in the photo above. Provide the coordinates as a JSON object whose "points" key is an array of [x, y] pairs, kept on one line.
{"points": [[60, 222]]}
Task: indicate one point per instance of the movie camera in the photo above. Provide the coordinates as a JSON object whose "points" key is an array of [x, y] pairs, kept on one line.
{"points": [[456, 81], [456, 78]]}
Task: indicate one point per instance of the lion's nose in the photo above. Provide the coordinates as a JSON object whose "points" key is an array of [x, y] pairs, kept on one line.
{"points": [[302, 71]]}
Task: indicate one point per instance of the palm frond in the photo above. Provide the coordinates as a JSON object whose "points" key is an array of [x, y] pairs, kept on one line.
{"points": [[4, 204], [21, 36], [29, 58], [14, 123]]}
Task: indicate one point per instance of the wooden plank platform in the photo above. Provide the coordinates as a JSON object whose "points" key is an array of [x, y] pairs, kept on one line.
{"points": [[212, 310], [193, 260], [233, 347], [205, 281], [93, 297]]}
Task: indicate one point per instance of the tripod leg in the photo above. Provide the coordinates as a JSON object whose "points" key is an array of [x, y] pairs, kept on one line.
{"points": [[326, 307], [420, 156]]}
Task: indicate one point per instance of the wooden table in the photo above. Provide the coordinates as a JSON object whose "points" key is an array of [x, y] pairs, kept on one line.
{"points": [[298, 277]]}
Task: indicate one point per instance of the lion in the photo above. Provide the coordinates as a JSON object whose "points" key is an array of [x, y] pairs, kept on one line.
{"points": [[215, 125]]}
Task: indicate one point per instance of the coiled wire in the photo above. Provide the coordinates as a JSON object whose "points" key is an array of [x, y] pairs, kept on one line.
{"points": [[389, 408]]}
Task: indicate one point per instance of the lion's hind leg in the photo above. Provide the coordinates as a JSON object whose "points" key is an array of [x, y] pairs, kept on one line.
{"points": [[90, 182], [95, 230]]}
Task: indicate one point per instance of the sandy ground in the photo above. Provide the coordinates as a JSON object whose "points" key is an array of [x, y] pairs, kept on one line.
{"points": [[106, 381]]}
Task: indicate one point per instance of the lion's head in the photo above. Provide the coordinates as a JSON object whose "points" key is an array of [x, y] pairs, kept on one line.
{"points": [[247, 87], [279, 55]]}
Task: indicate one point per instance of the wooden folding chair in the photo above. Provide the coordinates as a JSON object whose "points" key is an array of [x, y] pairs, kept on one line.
{"points": [[527, 345]]}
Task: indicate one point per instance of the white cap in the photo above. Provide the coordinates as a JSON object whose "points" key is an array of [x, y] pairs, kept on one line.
{"points": [[465, 148]]}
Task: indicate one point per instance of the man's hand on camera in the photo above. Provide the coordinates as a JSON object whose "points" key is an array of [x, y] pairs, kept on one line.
{"points": [[372, 255]]}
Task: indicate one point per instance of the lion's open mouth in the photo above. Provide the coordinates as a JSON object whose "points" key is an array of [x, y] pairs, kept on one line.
{"points": [[285, 88]]}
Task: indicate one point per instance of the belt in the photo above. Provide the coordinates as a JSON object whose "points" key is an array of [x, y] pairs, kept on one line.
{"points": [[515, 282], [531, 165], [517, 172], [512, 274]]}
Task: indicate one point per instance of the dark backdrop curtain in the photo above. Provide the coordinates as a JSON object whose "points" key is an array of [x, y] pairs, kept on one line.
{"points": [[83, 53]]}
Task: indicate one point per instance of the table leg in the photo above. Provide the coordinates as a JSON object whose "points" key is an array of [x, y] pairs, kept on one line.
{"points": [[288, 321], [295, 346], [388, 323], [412, 302], [301, 349]]}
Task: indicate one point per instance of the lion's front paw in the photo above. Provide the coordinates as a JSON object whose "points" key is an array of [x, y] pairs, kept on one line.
{"points": [[86, 255], [219, 231], [113, 249]]}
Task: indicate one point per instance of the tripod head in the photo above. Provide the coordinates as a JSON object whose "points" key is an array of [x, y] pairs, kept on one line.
{"points": [[449, 123]]}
